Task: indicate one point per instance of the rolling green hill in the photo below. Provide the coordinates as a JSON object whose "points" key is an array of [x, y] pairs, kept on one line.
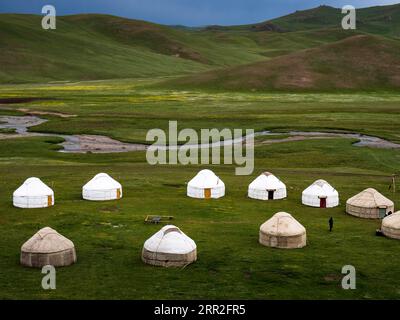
{"points": [[361, 62], [83, 48], [90, 47], [93, 46]]}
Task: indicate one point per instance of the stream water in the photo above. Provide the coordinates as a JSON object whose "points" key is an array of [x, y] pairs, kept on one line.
{"points": [[103, 144]]}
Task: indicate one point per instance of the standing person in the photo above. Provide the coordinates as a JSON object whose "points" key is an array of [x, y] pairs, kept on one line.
{"points": [[330, 224]]}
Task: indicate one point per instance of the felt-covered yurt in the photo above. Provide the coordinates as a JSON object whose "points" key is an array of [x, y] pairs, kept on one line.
{"points": [[102, 188], [267, 187], [283, 231], [33, 193], [391, 225], [169, 247], [48, 247], [206, 185], [369, 204], [320, 195]]}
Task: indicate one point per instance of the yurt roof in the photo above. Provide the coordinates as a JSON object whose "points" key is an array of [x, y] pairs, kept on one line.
{"points": [[47, 240], [320, 188], [33, 187], [392, 221], [102, 181], [206, 179], [370, 198], [267, 180], [170, 239], [282, 224]]}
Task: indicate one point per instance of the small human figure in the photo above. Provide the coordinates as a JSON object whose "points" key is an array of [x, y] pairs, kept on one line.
{"points": [[330, 224]]}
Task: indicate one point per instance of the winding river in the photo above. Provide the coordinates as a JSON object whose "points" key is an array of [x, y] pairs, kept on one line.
{"points": [[103, 144]]}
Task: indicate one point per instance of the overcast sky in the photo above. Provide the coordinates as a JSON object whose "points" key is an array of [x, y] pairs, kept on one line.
{"points": [[184, 12]]}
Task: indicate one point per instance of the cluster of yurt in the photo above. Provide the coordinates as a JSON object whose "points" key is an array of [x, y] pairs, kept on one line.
{"points": [[34, 193], [206, 185], [170, 246]]}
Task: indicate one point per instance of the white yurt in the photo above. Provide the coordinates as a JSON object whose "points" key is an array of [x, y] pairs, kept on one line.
{"points": [[206, 185], [48, 247], [321, 195], [369, 204], [391, 225], [283, 231], [169, 247], [33, 193], [267, 187], [102, 188]]}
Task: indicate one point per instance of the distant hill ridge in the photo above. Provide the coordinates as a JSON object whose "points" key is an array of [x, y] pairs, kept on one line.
{"points": [[383, 20]]}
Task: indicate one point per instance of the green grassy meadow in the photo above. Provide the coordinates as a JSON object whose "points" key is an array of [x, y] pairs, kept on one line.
{"points": [[127, 109], [231, 264]]}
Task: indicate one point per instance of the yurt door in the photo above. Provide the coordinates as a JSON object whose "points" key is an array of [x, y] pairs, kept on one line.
{"points": [[118, 193], [207, 193], [49, 201], [271, 194], [322, 202], [382, 212]]}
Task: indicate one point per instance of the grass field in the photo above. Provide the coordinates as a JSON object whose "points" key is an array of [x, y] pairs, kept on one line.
{"points": [[126, 109], [231, 264]]}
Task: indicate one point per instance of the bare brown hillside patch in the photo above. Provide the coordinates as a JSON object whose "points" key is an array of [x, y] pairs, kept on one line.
{"points": [[358, 62]]}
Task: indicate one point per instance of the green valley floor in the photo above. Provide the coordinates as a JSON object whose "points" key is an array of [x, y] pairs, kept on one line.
{"points": [[231, 264]]}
